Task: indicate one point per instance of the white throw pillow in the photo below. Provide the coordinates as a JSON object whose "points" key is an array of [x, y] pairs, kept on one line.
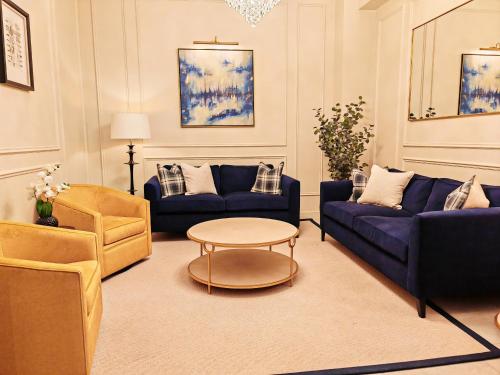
{"points": [[199, 180], [385, 188], [476, 198]]}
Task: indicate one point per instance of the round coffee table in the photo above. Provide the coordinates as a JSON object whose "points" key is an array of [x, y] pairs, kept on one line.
{"points": [[239, 253]]}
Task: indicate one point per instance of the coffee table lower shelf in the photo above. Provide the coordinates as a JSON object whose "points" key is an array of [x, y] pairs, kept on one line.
{"points": [[244, 269]]}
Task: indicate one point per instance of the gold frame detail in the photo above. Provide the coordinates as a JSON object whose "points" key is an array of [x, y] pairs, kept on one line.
{"points": [[411, 76]]}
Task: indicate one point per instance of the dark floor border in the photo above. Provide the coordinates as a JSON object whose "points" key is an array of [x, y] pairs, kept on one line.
{"points": [[493, 352]]}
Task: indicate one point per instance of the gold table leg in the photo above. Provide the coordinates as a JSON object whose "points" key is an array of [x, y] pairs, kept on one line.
{"points": [[291, 244], [209, 252]]}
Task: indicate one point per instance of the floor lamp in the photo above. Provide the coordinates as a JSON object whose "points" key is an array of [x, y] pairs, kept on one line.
{"points": [[130, 126]]}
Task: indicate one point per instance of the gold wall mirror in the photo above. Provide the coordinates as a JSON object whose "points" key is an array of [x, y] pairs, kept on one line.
{"points": [[455, 63]]}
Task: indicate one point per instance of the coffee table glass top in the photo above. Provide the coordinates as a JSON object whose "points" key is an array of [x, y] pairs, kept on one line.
{"points": [[242, 231]]}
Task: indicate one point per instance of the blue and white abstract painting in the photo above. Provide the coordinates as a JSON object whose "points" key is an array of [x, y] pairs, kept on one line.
{"points": [[480, 84], [216, 87]]}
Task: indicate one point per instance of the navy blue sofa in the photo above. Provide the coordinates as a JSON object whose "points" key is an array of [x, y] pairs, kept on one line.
{"points": [[234, 199], [427, 251]]}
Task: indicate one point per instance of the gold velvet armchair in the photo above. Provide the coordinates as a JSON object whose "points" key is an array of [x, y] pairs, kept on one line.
{"points": [[121, 222], [50, 300]]}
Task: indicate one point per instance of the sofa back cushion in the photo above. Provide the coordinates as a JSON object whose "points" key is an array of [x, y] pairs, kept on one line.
{"points": [[493, 194], [215, 174], [442, 187], [237, 177], [417, 193]]}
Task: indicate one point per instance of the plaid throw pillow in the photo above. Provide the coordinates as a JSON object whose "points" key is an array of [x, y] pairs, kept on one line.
{"points": [[359, 181], [171, 181], [456, 199], [268, 179]]}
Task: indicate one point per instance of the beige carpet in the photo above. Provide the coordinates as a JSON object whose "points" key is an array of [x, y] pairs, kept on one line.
{"points": [[339, 313]]}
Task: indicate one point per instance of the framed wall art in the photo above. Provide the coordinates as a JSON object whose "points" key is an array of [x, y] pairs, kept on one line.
{"points": [[16, 68], [216, 87], [479, 84]]}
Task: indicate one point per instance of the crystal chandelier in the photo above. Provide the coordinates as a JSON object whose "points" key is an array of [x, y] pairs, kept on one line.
{"points": [[253, 10]]}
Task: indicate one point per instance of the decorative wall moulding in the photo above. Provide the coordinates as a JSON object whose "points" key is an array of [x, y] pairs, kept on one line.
{"points": [[492, 167], [249, 145], [23, 171], [216, 157], [28, 150], [485, 146]]}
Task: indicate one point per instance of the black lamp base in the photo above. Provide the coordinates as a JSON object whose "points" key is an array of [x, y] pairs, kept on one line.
{"points": [[131, 164]]}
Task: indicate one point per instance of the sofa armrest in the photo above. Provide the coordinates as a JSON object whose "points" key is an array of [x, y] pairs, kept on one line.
{"points": [[291, 189], [152, 189], [453, 252], [335, 191]]}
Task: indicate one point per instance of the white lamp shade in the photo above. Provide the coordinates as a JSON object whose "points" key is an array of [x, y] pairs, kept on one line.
{"points": [[130, 126]]}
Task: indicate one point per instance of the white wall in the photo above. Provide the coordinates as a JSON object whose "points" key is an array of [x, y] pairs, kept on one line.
{"points": [[456, 148], [47, 125], [129, 54]]}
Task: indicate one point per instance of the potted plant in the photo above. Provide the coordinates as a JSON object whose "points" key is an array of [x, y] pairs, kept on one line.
{"points": [[45, 192], [339, 139]]}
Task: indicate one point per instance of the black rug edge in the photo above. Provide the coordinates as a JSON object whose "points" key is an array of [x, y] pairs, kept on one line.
{"points": [[493, 353]]}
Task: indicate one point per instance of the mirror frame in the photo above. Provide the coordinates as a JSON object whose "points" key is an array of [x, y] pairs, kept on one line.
{"points": [[411, 75]]}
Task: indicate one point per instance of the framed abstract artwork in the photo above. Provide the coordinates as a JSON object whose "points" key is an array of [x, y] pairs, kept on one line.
{"points": [[479, 84], [16, 68], [216, 87]]}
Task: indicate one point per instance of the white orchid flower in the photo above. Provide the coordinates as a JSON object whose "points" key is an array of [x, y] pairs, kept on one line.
{"points": [[42, 174], [50, 194], [48, 179]]}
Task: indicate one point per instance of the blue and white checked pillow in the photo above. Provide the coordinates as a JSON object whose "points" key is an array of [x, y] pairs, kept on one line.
{"points": [[171, 181], [456, 199], [359, 181], [268, 180]]}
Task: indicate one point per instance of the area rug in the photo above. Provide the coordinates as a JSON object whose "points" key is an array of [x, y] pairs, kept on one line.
{"points": [[340, 313]]}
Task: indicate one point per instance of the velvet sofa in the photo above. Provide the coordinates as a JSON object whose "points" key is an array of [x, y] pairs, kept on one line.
{"points": [[427, 251], [234, 199]]}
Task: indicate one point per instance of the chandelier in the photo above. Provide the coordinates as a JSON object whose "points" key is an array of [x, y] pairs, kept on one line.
{"points": [[253, 10]]}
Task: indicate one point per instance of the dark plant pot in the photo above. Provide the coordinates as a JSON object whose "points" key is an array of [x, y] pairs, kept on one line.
{"points": [[49, 221]]}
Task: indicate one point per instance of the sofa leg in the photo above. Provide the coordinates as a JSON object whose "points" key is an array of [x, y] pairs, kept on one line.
{"points": [[322, 235], [421, 306]]}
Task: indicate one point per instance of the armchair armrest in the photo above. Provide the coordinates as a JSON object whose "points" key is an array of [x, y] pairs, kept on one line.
{"points": [[291, 189], [38, 243], [152, 189], [118, 203], [454, 252], [44, 315], [73, 214]]}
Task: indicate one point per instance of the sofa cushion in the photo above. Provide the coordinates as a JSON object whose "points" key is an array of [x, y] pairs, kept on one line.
{"points": [[417, 193], [190, 204], [117, 228], [440, 190], [345, 212], [91, 277], [248, 201], [493, 194], [237, 177], [391, 234], [215, 174]]}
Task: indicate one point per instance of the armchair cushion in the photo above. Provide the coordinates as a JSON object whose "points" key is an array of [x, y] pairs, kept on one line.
{"points": [[346, 212], [248, 201], [117, 228], [191, 204], [391, 234], [442, 187], [91, 281]]}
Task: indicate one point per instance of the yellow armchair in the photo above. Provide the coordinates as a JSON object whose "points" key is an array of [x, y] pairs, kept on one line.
{"points": [[120, 220], [50, 300]]}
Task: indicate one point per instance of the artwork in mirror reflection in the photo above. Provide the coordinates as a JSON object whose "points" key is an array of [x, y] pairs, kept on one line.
{"points": [[216, 87], [479, 84]]}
